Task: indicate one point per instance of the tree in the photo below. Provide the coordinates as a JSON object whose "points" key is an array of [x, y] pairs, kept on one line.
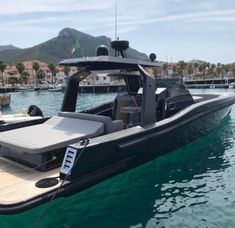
{"points": [[165, 69], [36, 67], [25, 76], [174, 69], [233, 69], [2, 69], [227, 69], [223, 69], [181, 67], [196, 65], [40, 75], [12, 80], [200, 69], [219, 69], [66, 70], [212, 69], [204, 67], [190, 70], [53, 70], [20, 67]]}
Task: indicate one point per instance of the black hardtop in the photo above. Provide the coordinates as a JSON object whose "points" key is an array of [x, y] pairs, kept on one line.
{"points": [[108, 63]]}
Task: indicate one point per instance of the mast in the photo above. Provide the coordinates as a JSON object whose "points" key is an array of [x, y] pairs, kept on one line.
{"points": [[116, 21]]}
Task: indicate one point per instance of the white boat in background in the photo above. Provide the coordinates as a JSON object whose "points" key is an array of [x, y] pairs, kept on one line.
{"points": [[15, 118], [24, 89], [232, 85], [56, 88], [26, 114]]}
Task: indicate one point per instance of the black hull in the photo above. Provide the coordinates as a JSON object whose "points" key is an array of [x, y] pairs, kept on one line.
{"points": [[105, 160]]}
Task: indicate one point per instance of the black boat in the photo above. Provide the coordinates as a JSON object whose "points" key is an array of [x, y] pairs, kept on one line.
{"points": [[65, 154]]}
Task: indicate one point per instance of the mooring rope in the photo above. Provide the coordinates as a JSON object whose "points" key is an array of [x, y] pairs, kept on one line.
{"points": [[84, 142]]}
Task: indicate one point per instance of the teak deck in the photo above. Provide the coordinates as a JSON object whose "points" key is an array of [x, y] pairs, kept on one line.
{"points": [[17, 182]]}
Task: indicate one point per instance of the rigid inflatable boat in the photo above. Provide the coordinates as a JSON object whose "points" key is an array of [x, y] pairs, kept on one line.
{"points": [[67, 153]]}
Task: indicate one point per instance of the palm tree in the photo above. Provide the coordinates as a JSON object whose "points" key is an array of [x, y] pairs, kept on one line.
{"points": [[212, 70], [155, 73], [204, 67], [227, 69], [200, 70], [25, 76], [190, 70], [208, 65], [2, 69], [219, 69], [196, 65], [40, 75], [174, 69], [165, 69], [36, 67], [233, 69], [66, 71], [53, 70], [20, 67], [181, 67]]}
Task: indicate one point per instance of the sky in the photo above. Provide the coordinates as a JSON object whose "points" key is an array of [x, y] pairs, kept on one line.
{"points": [[173, 29]]}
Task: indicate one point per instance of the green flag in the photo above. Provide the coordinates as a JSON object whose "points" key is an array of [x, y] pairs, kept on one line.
{"points": [[75, 45]]}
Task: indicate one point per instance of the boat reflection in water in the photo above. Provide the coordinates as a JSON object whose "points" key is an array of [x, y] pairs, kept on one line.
{"points": [[194, 182]]}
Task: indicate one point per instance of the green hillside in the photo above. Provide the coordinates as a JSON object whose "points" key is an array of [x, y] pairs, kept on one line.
{"points": [[59, 48]]}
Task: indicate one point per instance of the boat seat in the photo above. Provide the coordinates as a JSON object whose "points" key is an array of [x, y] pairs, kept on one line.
{"points": [[109, 125], [57, 132], [121, 101]]}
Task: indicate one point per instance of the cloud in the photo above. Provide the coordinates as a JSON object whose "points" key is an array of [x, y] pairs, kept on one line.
{"points": [[38, 20], [13, 7]]}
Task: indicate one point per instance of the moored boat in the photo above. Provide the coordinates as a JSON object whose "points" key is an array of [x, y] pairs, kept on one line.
{"points": [[25, 89], [57, 88], [30, 114], [79, 149]]}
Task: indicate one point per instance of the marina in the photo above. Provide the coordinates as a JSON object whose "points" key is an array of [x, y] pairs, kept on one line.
{"points": [[105, 88], [210, 83]]}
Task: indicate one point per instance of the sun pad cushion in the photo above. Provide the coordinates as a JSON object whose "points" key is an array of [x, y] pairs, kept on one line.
{"points": [[55, 133]]}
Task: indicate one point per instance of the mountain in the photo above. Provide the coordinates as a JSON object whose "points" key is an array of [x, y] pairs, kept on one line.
{"points": [[7, 47], [59, 47]]}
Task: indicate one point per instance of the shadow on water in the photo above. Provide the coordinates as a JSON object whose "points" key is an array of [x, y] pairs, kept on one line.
{"points": [[148, 196]]}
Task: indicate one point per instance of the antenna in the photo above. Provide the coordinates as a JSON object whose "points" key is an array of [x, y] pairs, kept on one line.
{"points": [[116, 21]]}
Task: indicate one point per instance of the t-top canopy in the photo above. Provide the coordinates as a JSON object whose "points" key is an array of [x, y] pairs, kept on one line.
{"points": [[107, 63]]}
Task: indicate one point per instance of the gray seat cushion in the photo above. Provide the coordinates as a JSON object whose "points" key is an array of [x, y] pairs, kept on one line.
{"points": [[55, 133], [109, 125]]}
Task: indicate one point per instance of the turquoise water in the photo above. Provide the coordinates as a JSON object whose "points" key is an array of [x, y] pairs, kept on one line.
{"points": [[193, 186], [50, 102]]}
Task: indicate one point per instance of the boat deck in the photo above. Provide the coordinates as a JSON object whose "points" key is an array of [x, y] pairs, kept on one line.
{"points": [[17, 182], [199, 97]]}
